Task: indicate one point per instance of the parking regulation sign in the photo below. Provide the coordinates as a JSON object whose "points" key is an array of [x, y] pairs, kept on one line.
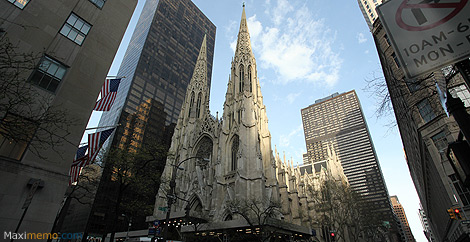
{"points": [[427, 34]]}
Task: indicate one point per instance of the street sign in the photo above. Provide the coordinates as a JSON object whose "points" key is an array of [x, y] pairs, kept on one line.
{"points": [[152, 231], [466, 222], [428, 34], [156, 223], [163, 209]]}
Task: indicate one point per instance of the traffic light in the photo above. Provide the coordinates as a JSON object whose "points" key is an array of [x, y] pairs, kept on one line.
{"points": [[333, 236], [451, 213], [457, 214]]}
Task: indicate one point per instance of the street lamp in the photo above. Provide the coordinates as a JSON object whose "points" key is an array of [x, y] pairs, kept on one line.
{"points": [[172, 195], [128, 227]]}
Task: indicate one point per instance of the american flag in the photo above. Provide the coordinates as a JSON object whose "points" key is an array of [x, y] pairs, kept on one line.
{"points": [[80, 158], [95, 141], [108, 94], [79, 161]]}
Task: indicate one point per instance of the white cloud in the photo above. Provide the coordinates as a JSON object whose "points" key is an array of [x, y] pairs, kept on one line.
{"points": [[361, 38], [296, 46], [284, 140], [291, 97]]}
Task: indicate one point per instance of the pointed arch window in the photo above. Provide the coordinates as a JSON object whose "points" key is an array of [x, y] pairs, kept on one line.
{"points": [[242, 77], [235, 144], [249, 79], [198, 106], [191, 104], [233, 80]]}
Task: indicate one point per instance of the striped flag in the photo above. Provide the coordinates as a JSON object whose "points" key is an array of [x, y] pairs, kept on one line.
{"points": [[80, 158], [95, 141], [108, 95], [79, 161], [74, 174]]}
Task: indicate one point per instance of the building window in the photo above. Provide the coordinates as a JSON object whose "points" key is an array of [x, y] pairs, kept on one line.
{"points": [[412, 85], [440, 142], [395, 58], [191, 104], [425, 110], [198, 106], [249, 79], [49, 74], [462, 93], [463, 192], [75, 29], [387, 39], [98, 3], [235, 145], [242, 78], [15, 134], [19, 3]]}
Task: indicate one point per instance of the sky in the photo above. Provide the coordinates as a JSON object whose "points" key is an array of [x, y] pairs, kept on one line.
{"points": [[305, 50]]}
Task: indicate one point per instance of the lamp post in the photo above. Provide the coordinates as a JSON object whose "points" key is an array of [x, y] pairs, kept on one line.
{"points": [[129, 220], [171, 195]]}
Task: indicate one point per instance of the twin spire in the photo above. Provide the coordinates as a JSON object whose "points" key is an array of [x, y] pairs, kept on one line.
{"points": [[198, 91]]}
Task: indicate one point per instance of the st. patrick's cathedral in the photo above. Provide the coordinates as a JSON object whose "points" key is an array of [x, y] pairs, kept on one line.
{"points": [[227, 181]]}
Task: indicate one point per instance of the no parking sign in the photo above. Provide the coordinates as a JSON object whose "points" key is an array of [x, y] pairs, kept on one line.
{"points": [[428, 34]]}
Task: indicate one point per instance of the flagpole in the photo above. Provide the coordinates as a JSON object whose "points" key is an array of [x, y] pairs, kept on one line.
{"points": [[110, 126], [116, 77]]}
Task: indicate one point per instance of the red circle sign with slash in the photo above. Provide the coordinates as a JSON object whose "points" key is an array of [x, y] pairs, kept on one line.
{"points": [[457, 6]]}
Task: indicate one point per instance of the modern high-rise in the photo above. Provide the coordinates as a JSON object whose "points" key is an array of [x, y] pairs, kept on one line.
{"points": [[157, 68], [400, 212], [368, 9], [70, 46], [158, 65], [338, 121]]}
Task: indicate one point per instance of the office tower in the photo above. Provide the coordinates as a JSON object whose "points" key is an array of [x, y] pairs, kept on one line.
{"points": [[424, 222], [338, 120], [427, 133], [400, 212], [157, 66], [368, 9], [72, 44]]}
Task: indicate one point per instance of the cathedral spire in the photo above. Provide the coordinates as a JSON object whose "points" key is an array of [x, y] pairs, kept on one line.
{"points": [[243, 42], [197, 93]]}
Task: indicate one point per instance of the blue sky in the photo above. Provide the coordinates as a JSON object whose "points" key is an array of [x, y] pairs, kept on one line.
{"points": [[305, 50]]}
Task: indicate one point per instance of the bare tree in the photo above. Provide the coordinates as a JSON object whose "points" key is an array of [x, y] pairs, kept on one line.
{"points": [[338, 208], [134, 178], [27, 119], [257, 214]]}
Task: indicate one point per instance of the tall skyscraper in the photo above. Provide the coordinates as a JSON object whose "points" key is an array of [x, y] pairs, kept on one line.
{"points": [[338, 121], [400, 212], [368, 9], [157, 66], [71, 45]]}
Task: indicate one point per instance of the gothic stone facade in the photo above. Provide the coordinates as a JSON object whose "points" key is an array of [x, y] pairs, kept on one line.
{"points": [[239, 164]]}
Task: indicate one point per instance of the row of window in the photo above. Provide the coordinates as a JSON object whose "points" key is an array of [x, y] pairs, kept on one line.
{"points": [[22, 3], [198, 105], [47, 75]]}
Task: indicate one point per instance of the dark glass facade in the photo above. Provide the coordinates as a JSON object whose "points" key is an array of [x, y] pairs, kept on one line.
{"points": [[157, 66]]}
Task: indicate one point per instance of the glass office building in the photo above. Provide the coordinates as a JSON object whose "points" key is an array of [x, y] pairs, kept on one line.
{"points": [[338, 121]]}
